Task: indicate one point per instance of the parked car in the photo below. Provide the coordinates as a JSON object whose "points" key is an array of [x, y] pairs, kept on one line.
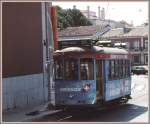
{"points": [[139, 70]]}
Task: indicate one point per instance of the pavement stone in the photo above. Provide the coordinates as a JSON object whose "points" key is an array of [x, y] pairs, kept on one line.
{"points": [[27, 114]]}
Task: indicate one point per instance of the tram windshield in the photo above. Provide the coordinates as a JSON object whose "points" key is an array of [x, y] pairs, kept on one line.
{"points": [[58, 66], [66, 70], [70, 69], [86, 69]]}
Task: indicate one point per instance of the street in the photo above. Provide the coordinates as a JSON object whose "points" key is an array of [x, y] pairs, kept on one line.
{"points": [[136, 110]]}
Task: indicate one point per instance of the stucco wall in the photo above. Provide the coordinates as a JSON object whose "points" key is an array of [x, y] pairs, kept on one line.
{"points": [[23, 91]]}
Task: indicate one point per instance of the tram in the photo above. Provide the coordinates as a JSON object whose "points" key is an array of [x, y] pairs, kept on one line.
{"points": [[91, 76]]}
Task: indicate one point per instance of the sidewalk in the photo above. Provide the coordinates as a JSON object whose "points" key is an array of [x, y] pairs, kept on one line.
{"points": [[27, 115]]}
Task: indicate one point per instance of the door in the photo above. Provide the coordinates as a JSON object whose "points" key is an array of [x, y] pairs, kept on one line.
{"points": [[99, 80]]}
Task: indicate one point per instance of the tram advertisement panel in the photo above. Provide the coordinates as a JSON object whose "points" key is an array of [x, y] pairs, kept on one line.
{"points": [[118, 80], [75, 92]]}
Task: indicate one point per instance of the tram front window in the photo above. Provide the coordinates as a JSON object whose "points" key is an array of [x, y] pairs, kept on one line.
{"points": [[86, 69], [71, 69], [58, 70]]}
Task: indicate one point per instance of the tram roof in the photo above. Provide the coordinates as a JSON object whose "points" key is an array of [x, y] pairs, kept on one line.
{"points": [[95, 49]]}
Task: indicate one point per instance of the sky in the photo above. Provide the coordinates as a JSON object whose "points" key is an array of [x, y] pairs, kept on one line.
{"points": [[136, 12]]}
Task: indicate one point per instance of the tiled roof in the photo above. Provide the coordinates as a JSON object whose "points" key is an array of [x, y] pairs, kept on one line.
{"points": [[141, 31], [82, 31], [138, 31], [75, 38], [117, 32]]}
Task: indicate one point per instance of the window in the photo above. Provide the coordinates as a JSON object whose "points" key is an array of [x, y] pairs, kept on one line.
{"points": [[111, 69], [128, 68], [146, 59], [136, 59], [136, 44], [119, 69], [86, 69], [124, 68], [58, 69], [116, 69], [70, 69], [109, 75], [146, 44]]}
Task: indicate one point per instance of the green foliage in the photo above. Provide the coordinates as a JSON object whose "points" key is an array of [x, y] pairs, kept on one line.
{"points": [[71, 18]]}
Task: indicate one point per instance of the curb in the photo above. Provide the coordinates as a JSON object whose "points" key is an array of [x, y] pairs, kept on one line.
{"points": [[31, 118]]}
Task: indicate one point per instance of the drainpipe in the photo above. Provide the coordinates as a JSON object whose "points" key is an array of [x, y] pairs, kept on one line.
{"points": [[54, 26]]}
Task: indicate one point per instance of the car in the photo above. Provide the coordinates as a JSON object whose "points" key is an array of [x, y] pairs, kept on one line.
{"points": [[139, 70]]}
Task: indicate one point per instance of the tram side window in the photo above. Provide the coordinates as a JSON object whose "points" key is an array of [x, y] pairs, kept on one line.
{"points": [[111, 69], [121, 68], [71, 69], [86, 69], [129, 68], [127, 63], [109, 75], [58, 70], [124, 68], [116, 69]]}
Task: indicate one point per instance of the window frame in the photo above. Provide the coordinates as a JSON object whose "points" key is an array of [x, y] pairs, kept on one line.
{"points": [[89, 77], [121, 69], [76, 68], [55, 72]]}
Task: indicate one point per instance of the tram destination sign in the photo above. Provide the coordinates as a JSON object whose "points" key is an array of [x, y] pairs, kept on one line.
{"points": [[111, 56], [119, 57], [105, 56]]}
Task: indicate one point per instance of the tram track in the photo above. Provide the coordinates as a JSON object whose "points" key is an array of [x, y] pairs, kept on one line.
{"points": [[56, 117]]}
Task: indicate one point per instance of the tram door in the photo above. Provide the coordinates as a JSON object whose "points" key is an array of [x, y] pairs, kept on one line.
{"points": [[99, 80]]}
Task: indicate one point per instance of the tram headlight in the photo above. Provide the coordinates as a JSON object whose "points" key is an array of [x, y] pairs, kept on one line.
{"points": [[87, 87]]}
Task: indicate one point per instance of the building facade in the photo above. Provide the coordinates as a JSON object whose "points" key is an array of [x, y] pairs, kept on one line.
{"points": [[100, 18], [136, 40], [25, 79]]}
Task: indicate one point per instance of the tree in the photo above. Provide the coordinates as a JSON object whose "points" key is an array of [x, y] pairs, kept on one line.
{"points": [[71, 18]]}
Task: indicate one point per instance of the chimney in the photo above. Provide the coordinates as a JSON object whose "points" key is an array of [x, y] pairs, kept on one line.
{"points": [[103, 14], [99, 13], [74, 7], [131, 22], [88, 12]]}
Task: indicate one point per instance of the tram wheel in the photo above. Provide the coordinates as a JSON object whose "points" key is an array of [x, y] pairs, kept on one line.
{"points": [[124, 101]]}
